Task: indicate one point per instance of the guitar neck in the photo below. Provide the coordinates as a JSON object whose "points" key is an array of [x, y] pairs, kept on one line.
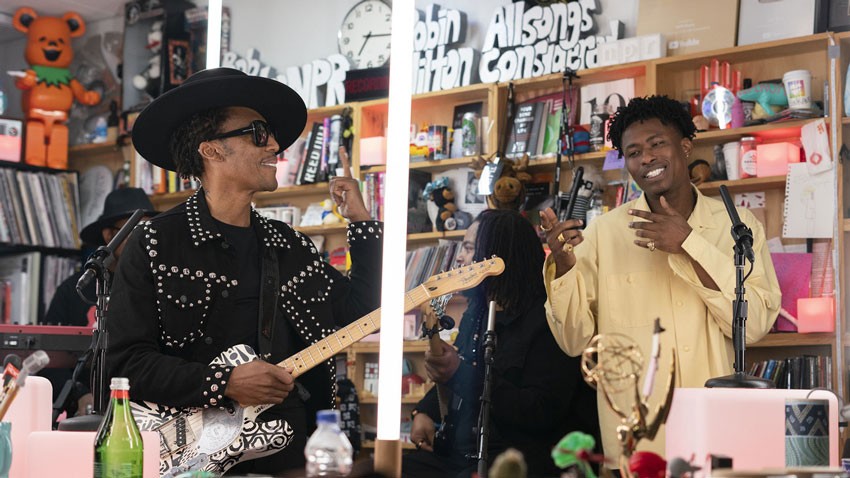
{"points": [[340, 340]]}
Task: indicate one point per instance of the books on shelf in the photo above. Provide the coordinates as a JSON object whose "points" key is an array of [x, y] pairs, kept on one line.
{"points": [[39, 208], [802, 372], [26, 277]]}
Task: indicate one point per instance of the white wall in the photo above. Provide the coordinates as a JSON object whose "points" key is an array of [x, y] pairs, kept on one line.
{"points": [[295, 32]]}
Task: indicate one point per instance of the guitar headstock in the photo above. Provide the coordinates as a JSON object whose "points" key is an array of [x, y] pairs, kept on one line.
{"points": [[463, 278]]}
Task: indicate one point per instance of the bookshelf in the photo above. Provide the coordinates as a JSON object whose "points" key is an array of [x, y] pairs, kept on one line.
{"points": [[39, 238]]}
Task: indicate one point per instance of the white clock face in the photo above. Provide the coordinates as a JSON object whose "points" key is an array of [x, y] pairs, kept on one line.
{"points": [[364, 37]]}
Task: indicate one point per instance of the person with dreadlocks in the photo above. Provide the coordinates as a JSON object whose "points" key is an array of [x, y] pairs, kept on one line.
{"points": [[538, 394], [667, 254]]}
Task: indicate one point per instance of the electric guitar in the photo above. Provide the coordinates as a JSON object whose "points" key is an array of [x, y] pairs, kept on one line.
{"points": [[211, 439]]}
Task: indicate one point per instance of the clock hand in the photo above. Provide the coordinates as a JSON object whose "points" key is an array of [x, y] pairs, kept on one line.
{"points": [[366, 38], [381, 35]]}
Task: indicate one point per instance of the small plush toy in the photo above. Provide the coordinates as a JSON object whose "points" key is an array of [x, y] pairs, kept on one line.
{"points": [[769, 96], [148, 80], [438, 191], [48, 88]]}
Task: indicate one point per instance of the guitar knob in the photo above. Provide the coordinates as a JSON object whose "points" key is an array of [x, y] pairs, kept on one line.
{"points": [[447, 322]]}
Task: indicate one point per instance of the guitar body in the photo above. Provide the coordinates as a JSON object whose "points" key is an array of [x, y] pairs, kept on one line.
{"points": [[212, 439]]}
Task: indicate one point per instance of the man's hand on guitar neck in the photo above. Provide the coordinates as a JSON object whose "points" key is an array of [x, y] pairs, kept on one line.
{"points": [[259, 383], [422, 432], [442, 364]]}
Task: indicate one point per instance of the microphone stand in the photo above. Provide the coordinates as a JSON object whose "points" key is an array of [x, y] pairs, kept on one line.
{"points": [[565, 136], [98, 269], [739, 379], [486, 392]]}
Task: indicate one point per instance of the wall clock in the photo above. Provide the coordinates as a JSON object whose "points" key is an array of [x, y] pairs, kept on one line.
{"points": [[364, 36]]}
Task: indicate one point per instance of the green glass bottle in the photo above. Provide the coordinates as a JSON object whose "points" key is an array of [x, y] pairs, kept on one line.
{"points": [[118, 444]]}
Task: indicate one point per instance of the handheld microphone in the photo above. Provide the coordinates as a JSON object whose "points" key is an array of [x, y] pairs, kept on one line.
{"points": [[742, 234], [104, 256], [571, 198]]}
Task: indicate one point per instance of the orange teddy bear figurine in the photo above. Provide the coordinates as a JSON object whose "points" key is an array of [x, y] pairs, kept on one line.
{"points": [[48, 89]]}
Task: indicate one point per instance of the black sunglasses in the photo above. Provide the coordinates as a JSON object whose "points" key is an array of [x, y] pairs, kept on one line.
{"points": [[258, 129]]}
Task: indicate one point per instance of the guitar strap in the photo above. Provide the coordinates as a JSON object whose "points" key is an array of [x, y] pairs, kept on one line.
{"points": [[270, 277]]}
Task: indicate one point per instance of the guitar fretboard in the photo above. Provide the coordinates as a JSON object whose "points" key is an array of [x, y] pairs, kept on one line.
{"points": [[343, 338]]}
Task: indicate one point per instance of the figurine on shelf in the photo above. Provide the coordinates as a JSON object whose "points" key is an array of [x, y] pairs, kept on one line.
{"points": [[438, 193], [700, 171], [149, 80], [48, 88], [770, 99]]}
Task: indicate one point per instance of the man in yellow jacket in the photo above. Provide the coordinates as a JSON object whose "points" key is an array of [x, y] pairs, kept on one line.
{"points": [[667, 254]]}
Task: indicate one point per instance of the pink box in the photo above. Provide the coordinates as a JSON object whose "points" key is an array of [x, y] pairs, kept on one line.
{"points": [[772, 158], [31, 411], [747, 425], [815, 314], [72, 454], [373, 151]]}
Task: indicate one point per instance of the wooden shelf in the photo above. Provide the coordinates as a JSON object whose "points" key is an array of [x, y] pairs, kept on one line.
{"points": [[474, 92], [428, 165], [565, 162], [754, 52], [163, 201], [775, 130], [795, 340], [93, 148], [434, 236], [743, 185]]}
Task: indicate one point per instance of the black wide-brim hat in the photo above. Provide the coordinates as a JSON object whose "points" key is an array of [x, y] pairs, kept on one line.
{"points": [[279, 104], [119, 204]]}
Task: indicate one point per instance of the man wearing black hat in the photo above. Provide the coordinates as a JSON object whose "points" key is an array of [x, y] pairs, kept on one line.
{"points": [[66, 307], [211, 273]]}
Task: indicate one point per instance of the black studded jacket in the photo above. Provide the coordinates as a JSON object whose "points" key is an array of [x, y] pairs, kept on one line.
{"points": [[173, 298]]}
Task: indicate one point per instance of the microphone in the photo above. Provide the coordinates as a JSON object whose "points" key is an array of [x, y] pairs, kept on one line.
{"points": [[104, 256], [32, 365], [742, 234], [577, 182]]}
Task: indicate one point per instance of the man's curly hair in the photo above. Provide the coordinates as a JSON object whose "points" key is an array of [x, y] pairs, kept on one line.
{"points": [[670, 112], [185, 140]]}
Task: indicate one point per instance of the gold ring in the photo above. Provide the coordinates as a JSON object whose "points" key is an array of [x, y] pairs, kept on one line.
{"points": [[561, 237], [567, 247], [545, 229], [651, 246]]}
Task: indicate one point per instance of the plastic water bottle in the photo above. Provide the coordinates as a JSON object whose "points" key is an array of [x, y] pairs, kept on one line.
{"points": [[328, 451]]}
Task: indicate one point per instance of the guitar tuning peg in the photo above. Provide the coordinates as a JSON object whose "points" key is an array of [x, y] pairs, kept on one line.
{"points": [[447, 322]]}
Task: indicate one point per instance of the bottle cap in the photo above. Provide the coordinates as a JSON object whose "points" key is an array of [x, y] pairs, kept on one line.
{"points": [[119, 383], [327, 416]]}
